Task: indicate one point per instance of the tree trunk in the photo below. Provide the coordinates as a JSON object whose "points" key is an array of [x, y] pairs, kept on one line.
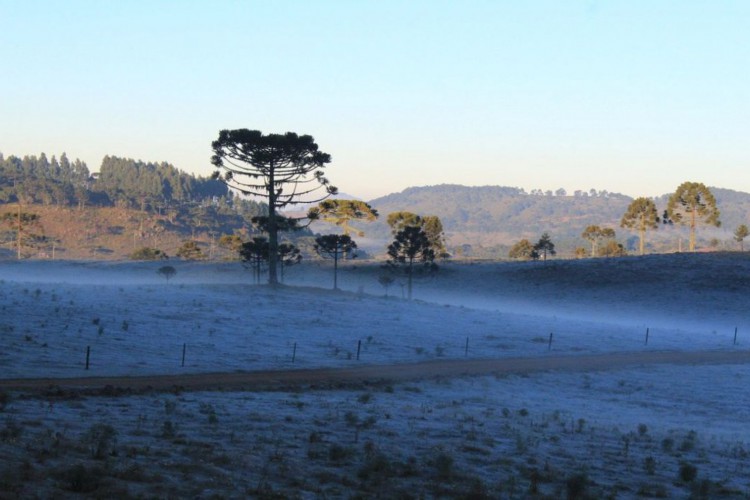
{"points": [[18, 233], [335, 270], [692, 230], [409, 275], [273, 233], [642, 234]]}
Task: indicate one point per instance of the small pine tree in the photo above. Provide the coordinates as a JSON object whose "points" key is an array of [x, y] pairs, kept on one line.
{"points": [[545, 246], [334, 246]]}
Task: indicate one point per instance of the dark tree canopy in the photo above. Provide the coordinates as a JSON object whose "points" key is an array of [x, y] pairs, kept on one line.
{"points": [[545, 246], [289, 255], [282, 169], [410, 249], [336, 247], [167, 272], [430, 224], [254, 254]]}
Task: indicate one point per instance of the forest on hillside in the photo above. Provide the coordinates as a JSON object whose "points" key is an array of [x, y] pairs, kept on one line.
{"points": [[151, 201], [485, 221], [120, 181], [479, 222]]}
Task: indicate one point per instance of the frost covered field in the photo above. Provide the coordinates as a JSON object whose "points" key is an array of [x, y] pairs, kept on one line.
{"points": [[653, 431]]}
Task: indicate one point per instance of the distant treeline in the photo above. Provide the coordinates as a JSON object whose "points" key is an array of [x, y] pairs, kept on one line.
{"points": [[120, 182]]}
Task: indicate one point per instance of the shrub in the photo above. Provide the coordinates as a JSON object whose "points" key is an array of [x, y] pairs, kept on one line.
{"points": [[190, 251], [364, 398], [443, 466], [101, 440], [649, 465], [667, 445], [338, 453], [148, 253], [11, 431], [80, 479], [576, 486], [688, 472]]}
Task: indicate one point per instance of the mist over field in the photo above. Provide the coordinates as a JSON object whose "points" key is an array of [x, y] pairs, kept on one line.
{"points": [[628, 430]]}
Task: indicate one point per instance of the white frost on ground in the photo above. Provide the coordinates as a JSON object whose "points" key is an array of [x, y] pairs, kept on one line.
{"points": [[629, 430]]}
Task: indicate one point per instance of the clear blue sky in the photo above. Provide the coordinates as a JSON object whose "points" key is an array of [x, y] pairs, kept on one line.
{"points": [[629, 96]]}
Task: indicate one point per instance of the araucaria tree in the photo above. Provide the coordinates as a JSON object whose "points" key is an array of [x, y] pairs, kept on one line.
{"points": [[740, 234], [20, 223], [411, 249], [642, 216], [595, 235], [692, 204], [335, 246], [430, 224], [254, 254], [341, 212], [283, 169]]}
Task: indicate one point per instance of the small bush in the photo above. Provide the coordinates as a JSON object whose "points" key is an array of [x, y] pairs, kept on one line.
{"points": [[688, 444], [365, 398], [649, 465], [147, 253], [576, 485], [688, 472], [443, 464], [80, 479], [4, 400], [667, 445], [11, 432], [101, 440], [338, 453], [168, 430]]}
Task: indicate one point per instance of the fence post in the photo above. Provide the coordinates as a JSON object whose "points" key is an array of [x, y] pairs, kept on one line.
{"points": [[549, 347], [359, 347], [184, 347], [294, 352], [88, 355], [735, 336], [646, 337], [466, 350]]}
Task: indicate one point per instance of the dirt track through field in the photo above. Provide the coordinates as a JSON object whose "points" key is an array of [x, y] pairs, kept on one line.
{"points": [[370, 374]]}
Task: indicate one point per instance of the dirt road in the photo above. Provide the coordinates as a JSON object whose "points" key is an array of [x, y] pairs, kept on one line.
{"points": [[368, 374]]}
